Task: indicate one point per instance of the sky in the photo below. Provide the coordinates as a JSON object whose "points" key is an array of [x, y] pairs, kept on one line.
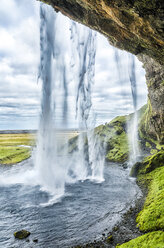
{"points": [[20, 94]]}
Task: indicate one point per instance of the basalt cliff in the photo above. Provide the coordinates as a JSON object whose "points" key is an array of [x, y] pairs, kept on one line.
{"points": [[137, 27]]}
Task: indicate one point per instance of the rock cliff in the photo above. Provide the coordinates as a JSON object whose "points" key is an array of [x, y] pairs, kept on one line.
{"points": [[137, 27]]}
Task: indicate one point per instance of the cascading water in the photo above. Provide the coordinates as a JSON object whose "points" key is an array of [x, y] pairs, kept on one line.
{"points": [[82, 210], [49, 166], [90, 150], [133, 125], [53, 164]]}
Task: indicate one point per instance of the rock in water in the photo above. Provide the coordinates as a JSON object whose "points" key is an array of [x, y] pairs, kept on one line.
{"points": [[35, 240], [21, 234]]}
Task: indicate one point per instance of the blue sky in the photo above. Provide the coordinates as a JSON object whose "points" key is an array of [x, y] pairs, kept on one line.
{"points": [[19, 60]]}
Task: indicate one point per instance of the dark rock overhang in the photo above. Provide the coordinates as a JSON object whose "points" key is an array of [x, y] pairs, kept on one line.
{"points": [[135, 26]]}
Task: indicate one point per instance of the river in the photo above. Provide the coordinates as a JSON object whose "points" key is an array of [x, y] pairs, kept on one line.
{"points": [[85, 211]]}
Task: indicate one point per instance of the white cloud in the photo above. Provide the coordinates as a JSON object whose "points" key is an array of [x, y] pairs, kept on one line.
{"points": [[19, 58]]}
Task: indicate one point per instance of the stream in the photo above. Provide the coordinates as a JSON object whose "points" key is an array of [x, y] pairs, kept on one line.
{"points": [[85, 211]]}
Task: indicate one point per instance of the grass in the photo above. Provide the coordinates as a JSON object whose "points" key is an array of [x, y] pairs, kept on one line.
{"points": [[17, 139], [12, 148], [149, 240], [151, 217], [115, 136]]}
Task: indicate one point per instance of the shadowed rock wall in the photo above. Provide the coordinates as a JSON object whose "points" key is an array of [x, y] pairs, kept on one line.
{"points": [[135, 26]]}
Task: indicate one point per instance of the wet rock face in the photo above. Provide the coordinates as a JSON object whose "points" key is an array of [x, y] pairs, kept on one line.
{"points": [[135, 26], [155, 84]]}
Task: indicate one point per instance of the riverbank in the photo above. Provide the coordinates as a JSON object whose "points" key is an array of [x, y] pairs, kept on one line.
{"points": [[143, 225], [124, 231]]}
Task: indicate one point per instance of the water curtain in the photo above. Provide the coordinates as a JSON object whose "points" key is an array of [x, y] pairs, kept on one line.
{"points": [[54, 164], [90, 149], [133, 126]]}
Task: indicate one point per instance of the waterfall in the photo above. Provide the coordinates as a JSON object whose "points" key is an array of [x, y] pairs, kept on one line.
{"points": [[54, 165], [92, 160], [45, 140], [51, 167], [133, 125]]}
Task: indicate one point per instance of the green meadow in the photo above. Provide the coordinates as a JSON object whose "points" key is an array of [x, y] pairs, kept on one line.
{"points": [[15, 147]]}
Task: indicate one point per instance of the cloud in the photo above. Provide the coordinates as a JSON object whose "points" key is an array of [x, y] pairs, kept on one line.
{"points": [[111, 92], [19, 58]]}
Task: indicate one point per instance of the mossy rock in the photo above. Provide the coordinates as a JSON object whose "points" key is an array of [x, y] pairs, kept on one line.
{"points": [[149, 240], [153, 162], [117, 144], [150, 174], [151, 217], [147, 134], [114, 134], [118, 148], [135, 169], [149, 164], [21, 234]]}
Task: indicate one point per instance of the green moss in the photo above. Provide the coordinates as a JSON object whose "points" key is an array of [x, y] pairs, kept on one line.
{"points": [[152, 216], [153, 151], [148, 144], [149, 240], [115, 137], [144, 121], [149, 164], [119, 120], [152, 162], [118, 148], [21, 234], [148, 138]]}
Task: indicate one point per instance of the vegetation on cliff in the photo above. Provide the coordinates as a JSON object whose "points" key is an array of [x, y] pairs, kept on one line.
{"points": [[150, 174], [114, 134], [115, 137], [149, 140], [151, 218]]}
